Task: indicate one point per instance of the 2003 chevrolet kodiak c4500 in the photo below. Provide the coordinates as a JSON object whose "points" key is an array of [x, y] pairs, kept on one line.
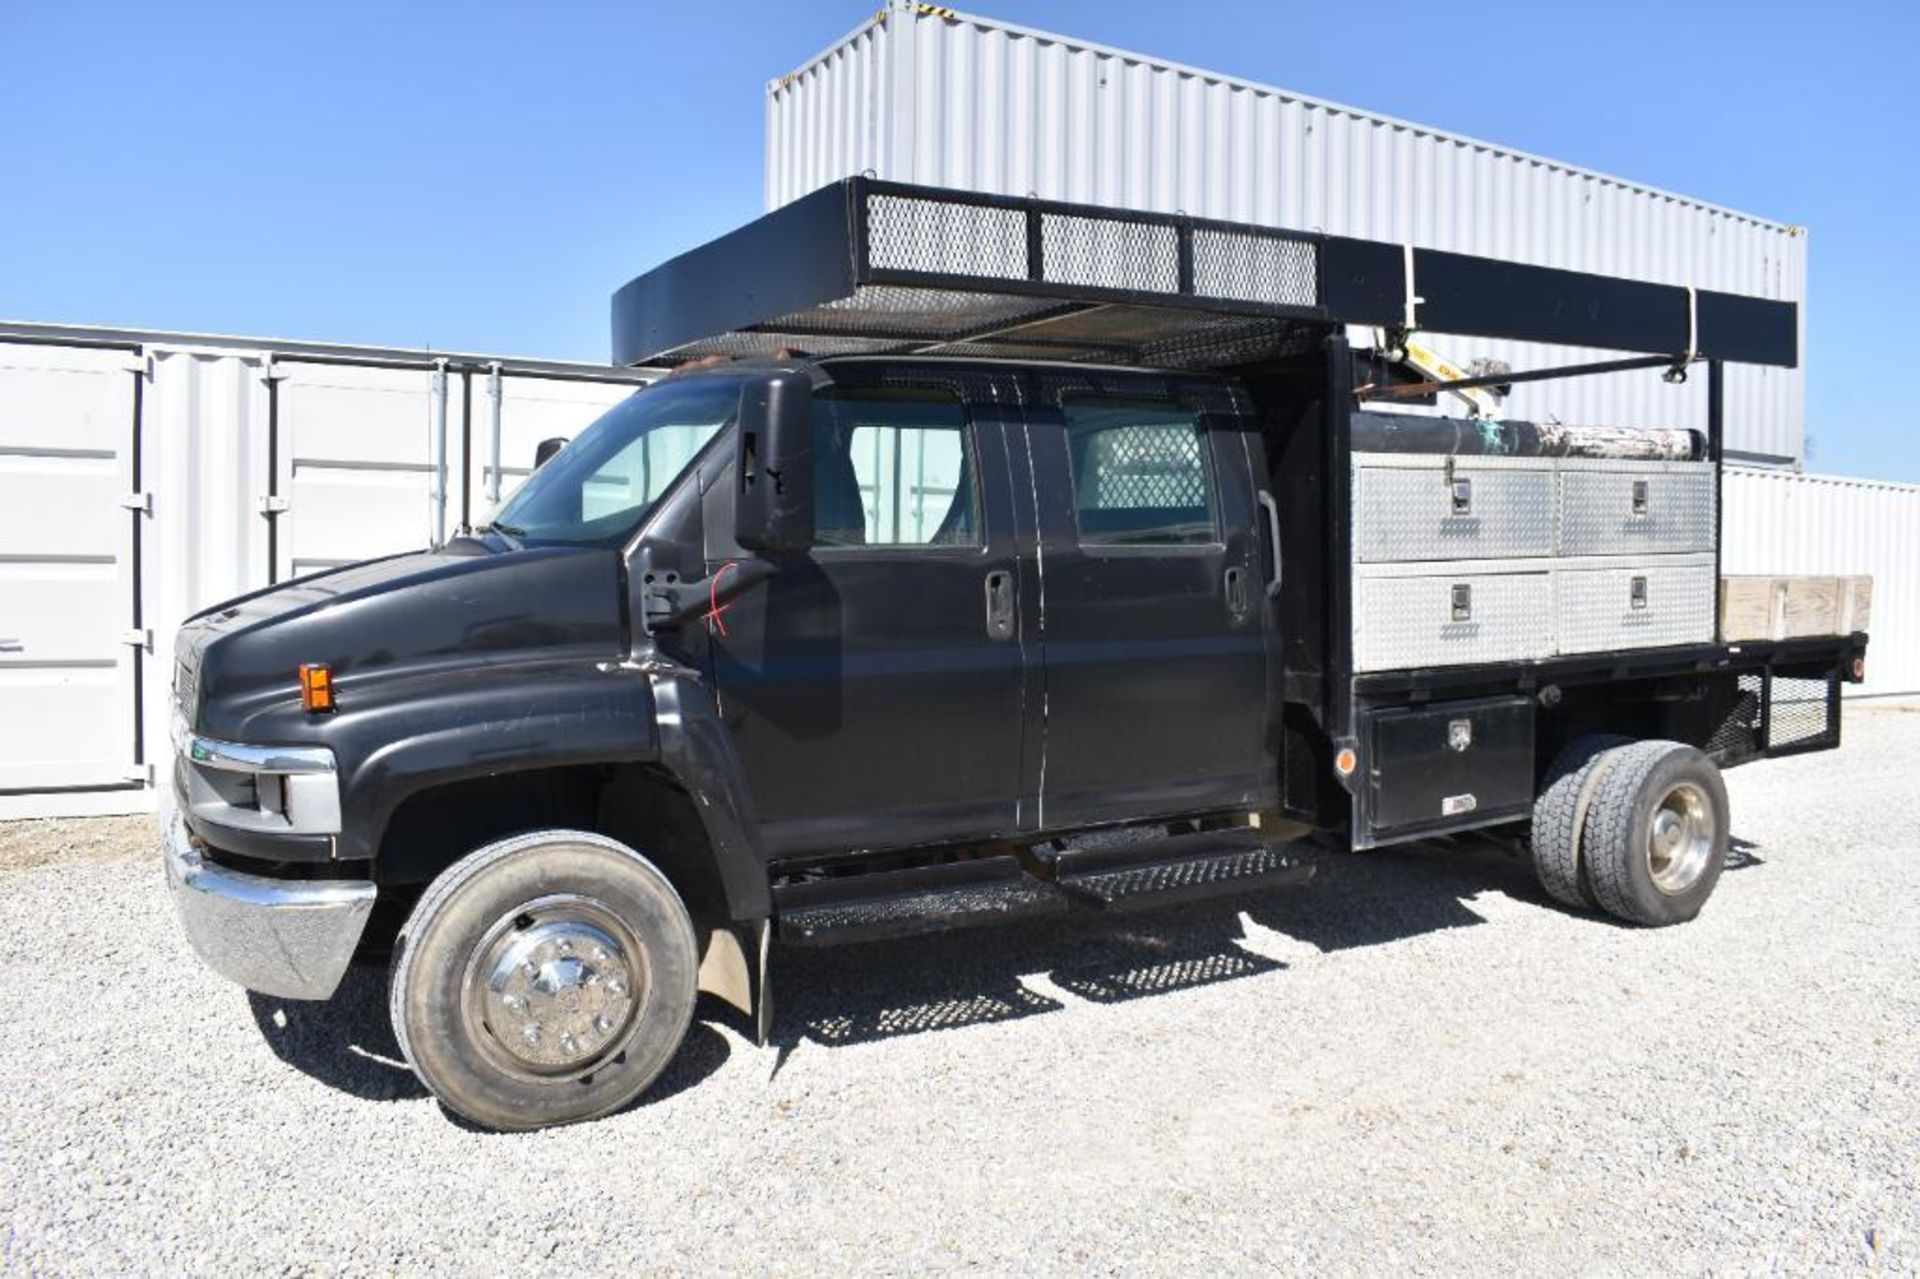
{"points": [[1080, 559]]}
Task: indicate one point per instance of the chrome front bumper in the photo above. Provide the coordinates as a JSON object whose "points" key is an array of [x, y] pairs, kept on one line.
{"points": [[286, 937]]}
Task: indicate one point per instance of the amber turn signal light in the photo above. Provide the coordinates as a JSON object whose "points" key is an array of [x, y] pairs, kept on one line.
{"points": [[316, 687], [1346, 761]]}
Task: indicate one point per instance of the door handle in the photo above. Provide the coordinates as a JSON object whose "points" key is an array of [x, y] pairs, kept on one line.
{"points": [[1236, 584], [1000, 604], [11, 646], [1271, 509]]}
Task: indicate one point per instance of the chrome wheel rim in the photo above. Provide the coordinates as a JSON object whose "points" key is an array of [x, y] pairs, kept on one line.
{"points": [[1680, 838], [554, 988]]}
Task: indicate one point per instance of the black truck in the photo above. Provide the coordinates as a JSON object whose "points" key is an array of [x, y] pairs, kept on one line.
{"points": [[982, 559]]}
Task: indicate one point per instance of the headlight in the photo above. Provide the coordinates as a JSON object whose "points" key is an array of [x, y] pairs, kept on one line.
{"points": [[291, 790]]}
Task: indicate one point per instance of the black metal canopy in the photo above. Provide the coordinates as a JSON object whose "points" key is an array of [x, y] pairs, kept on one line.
{"points": [[864, 266]]}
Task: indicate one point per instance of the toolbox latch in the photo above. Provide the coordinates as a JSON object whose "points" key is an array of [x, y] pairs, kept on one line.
{"points": [[1462, 602]]}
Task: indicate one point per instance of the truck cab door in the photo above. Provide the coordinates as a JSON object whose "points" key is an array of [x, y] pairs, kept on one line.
{"points": [[1154, 615], [875, 685]]}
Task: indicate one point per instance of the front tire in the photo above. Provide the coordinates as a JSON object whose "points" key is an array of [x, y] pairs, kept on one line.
{"points": [[1655, 840], [544, 979]]}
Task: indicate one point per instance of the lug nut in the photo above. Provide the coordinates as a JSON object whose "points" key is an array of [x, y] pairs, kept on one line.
{"points": [[602, 1024], [515, 1004], [530, 968], [567, 1044], [531, 1034], [564, 946], [616, 987]]}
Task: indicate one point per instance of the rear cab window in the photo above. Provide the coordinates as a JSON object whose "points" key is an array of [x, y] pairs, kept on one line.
{"points": [[1141, 475]]}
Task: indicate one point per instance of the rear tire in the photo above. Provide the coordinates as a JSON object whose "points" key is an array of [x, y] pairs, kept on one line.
{"points": [[1656, 836], [544, 979], [1559, 814]]}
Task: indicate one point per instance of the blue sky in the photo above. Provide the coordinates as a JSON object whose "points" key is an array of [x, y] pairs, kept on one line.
{"points": [[480, 176]]}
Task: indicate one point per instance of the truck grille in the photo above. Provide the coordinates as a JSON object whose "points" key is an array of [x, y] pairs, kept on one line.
{"points": [[186, 672]]}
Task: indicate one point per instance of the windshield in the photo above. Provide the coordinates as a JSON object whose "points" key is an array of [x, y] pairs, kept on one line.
{"points": [[599, 488]]}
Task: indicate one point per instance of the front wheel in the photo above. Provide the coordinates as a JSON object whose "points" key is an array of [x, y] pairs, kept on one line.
{"points": [[544, 979], [1655, 839]]}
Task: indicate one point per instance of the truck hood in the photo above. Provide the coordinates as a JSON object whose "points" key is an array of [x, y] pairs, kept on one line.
{"points": [[465, 605]]}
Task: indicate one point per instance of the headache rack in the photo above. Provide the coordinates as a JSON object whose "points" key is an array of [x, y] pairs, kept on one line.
{"points": [[871, 267]]}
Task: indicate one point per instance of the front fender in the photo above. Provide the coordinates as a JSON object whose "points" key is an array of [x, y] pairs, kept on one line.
{"points": [[696, 748], [480, 723], [457, 725]]}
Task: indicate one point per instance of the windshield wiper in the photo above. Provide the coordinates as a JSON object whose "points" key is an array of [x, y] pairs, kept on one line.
{"points": [[510, 533]]}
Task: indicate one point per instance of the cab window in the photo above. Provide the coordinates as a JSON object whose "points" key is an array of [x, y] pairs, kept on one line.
{"points": [[1140, 474], [893, 468]]}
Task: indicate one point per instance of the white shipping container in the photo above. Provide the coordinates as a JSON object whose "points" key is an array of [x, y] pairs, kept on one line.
{"points": [[921, 94], [144, 476], [1781, 524]]}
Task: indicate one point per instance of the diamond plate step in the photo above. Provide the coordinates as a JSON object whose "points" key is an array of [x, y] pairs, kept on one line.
{"points": [[1180, 868], [904, 903]]}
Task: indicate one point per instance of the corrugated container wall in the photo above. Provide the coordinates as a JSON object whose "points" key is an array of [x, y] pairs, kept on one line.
{"points": [[144, 476], [1779, 523], [924, 95]]}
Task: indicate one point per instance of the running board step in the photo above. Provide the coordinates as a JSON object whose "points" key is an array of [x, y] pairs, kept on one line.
{"points": [[902, 903], [1179, 868]]}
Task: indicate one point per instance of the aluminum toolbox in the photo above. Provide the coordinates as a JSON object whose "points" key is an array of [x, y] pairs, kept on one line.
{"points": [[1454, 614], [1409, 507], [1635, 508], [1664, 600]]}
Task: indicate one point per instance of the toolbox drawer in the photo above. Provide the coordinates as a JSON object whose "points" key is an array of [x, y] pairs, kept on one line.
{"points": [[1451, 615], [1633, 508], [1453, 764], [1643, 606], [1416, 508]]}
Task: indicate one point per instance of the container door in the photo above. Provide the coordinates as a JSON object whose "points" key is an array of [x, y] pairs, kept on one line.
{"points": [[69, 651], [360, 468]]}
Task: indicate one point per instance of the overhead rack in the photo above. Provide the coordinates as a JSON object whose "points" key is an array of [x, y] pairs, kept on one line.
{"points": [[871, 267]]}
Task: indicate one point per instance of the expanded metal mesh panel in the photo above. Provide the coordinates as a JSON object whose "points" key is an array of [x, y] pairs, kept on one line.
{"points": [[1624, 509], [1738, 734], [1601, 610], [881, 318], [1108, 253], [1199, 340], [937, 235], [882, 309], [1254, 268], [1014, 350], [1147, 466], [1248, 865], [1802, 714], [772, 344], [1428, 512], [1402, 622]]}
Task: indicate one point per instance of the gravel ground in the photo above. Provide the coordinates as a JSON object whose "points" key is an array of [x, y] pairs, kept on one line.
{"points": [[1416, 1063]]}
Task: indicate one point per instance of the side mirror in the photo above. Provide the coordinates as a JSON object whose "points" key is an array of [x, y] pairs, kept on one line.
{"points": [[773, 476], [543, 451]]}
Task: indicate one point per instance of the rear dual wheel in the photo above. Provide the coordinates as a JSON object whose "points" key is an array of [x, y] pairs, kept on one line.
{"points": [[1636, 828], [544, 979]]}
